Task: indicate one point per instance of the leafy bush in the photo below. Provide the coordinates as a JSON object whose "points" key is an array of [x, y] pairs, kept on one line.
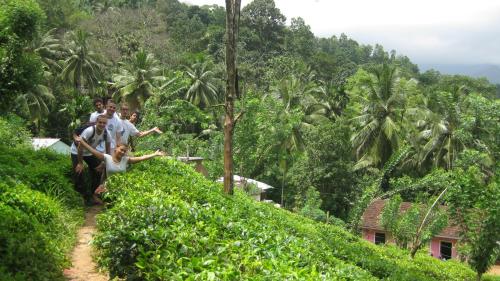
{"points": [[168, 223], [42, 170], [26, 254], [13, 133], [36, 232], [39, 210]]}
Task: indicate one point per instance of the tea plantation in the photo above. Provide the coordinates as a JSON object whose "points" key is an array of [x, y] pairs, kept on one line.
{"points": [[39, 210], [166, 222]]}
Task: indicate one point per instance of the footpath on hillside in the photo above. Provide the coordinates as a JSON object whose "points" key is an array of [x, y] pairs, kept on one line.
{"points": [[83, 266]]}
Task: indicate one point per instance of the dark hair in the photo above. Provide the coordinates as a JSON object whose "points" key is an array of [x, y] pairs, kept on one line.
{"points": [[102, 116], [137, 115], [96, 100]]}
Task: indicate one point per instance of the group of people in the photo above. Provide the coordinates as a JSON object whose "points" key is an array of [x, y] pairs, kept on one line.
{"points": [[103, 144]]}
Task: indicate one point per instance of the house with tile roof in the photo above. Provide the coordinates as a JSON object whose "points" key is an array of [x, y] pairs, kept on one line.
{"points": [[443, 245]]}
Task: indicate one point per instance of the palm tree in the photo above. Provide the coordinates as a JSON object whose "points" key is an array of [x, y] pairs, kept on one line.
{"points": [[34, 104], [81, 66], [440, 123], [137, 79], [377, 135], [202, 90], [297, 97], [50, 50], [333, 99]]}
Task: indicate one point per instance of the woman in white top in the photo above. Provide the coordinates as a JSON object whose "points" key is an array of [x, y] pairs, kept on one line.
{"points": [[116, 163]]}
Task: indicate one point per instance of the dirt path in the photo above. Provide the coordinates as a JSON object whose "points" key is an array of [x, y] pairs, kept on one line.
{"points": [[83, 267], [494, 270]]}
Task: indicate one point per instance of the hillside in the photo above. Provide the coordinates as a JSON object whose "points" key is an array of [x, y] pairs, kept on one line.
{"points": [[489, 71], [168, 223]]}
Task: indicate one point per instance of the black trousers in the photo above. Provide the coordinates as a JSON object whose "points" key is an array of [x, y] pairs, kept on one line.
{"points": [[95, 177]]}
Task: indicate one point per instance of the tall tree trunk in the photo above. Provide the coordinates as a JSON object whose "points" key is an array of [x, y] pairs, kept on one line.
{"points": [[232, 21]]}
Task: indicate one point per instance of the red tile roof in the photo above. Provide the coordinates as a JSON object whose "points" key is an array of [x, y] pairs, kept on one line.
{"points": [[371, 219]]}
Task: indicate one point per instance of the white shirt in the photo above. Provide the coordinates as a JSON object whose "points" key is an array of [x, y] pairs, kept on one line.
{"points": [[128, 129], [97, 140], [113, 126], [94, 115], [112, 167]]}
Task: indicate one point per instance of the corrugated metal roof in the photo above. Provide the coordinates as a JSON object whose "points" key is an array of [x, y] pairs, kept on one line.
{"points": [[43, 142], [238, 180]]}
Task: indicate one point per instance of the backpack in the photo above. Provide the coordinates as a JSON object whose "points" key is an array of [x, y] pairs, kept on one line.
{"points": [[78, 131]]}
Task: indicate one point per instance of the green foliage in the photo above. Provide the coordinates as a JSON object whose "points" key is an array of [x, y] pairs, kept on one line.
{"points": [[203, 86], [44, 171], [327, 165], [167, 222], [60, 13], [381, 103], [13, 132], [138, 79], [26, 254], [474, 206], [266, 24], [81, 65], [20, 68], [404, 224], [311, 206], [36, 231], [181, 122], [39, 210], [20, 19]]}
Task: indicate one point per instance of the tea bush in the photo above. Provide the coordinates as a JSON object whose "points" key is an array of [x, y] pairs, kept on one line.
{"points": [[13, 132], [166, 222], [36, 232], [41, 170], [39, 210]]}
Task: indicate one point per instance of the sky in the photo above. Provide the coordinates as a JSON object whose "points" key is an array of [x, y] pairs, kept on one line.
{"points": [[427, 31]]}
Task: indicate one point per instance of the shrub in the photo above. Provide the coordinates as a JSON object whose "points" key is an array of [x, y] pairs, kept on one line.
{"points": [[39, 210], [37, 232], [26, 253], [168, 223], [13, 133], [41, 170]]}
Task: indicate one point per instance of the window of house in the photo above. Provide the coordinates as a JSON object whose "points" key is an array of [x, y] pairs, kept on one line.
{"points": [[379, 238], [445, 250]]}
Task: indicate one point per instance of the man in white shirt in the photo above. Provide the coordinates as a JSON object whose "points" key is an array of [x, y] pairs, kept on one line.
{"points": [[114, 126], [99, 110], [129, 129], [93, 115], [94, 135]]}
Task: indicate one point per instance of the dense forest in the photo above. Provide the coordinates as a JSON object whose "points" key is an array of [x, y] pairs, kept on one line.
{"points": [[331, 123]]}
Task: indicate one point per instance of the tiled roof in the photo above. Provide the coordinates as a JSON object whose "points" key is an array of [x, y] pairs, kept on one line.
{"points": [[371, 219]]}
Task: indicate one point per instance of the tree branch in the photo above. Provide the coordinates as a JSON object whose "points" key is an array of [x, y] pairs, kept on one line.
{"points": [[240, 114]]}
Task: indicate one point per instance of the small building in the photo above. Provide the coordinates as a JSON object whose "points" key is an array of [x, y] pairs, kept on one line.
{"points": [[443, 245], [241, 182], [53, 144]]}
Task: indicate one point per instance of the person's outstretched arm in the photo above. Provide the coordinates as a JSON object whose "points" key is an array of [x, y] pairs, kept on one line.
{"points": [[92, 150], [145, 133], [133, 160]]}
